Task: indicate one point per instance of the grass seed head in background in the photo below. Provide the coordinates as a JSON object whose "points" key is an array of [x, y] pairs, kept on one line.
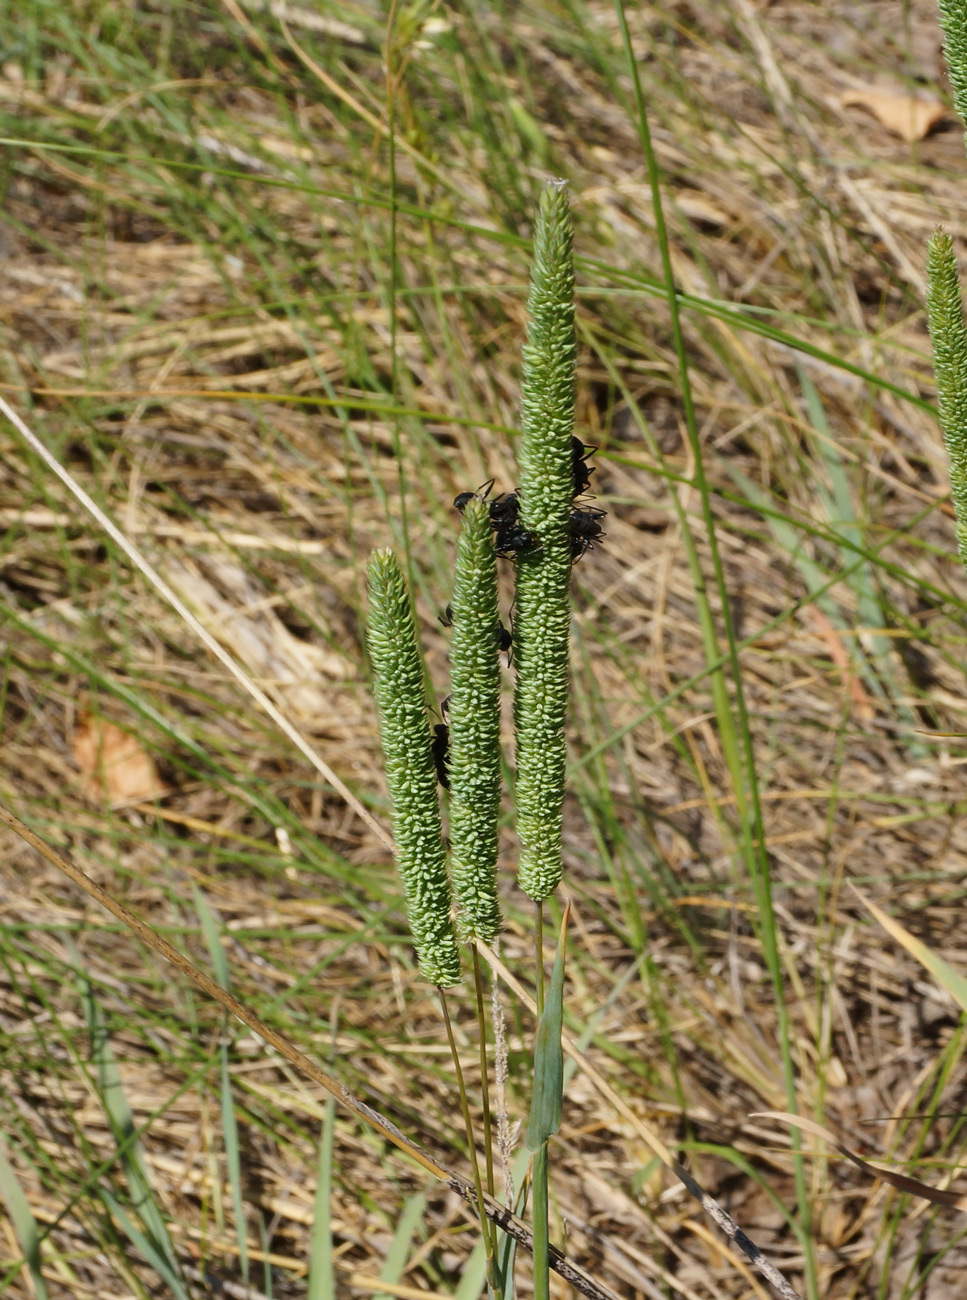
{"points": [[948, 337], [953, 20], [410, 772], [475, 726], [945, 310], [543, 610]]}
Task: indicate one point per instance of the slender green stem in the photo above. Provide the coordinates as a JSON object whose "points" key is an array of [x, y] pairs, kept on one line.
{"points": [[393, 288], [745, 783], [539, 955], [542, 1273], [484, 1069], [486, 1227]]}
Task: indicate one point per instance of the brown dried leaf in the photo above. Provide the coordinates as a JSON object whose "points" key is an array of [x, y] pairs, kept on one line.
{"points": [[905, 115], [113, 763], [902, 1182]]}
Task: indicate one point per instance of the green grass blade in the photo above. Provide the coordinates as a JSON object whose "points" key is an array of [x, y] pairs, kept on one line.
{"points": [[541, 1225], [157, 1241], [233, 1155], [147, 1245], [322, 1275], [736, 733], [211, 929], [398, 1255], [473, 1279], [548, 1101], [24, 1223]]}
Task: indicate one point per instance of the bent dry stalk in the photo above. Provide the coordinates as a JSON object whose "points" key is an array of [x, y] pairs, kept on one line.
{"points": [[410, 773], [547, 486]]}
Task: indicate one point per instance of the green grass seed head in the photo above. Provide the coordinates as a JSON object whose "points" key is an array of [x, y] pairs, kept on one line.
{"points": [[953, 20], [410, 772], [475, 727], [948, 337], [543, 614]]}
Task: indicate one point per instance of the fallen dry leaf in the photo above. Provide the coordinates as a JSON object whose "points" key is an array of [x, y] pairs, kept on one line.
{"points": [[902, 1182], [113, 763], [904, 115]]}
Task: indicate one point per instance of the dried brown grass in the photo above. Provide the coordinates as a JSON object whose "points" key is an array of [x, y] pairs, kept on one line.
{"points": [[261, 511]]}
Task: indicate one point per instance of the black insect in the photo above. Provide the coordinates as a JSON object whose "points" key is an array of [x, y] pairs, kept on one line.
{"points": [[446, 618], [585, 530], [463, 499], [505, 641], [511, 540], [579, 464], [441, 747], [504, 511]]}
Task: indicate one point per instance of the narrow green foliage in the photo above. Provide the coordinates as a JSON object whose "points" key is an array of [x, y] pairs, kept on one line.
{"points": [[543, 612], [410, 773], [541, 1226], [322, 1271], [23, 1222], [475, 727], [948, 336], [548, 1101], [953, 20]]}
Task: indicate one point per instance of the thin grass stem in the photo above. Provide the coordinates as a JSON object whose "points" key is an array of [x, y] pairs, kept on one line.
{"points": [[539, 955], [742, 767], [484, 1070], [539, 1215], [486, 1227]]}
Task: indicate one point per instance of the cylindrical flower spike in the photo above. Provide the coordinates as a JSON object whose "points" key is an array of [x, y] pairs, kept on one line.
{"points": [[953, 20], [948, 337], [543, 614], [410, 771], [475, 727]]}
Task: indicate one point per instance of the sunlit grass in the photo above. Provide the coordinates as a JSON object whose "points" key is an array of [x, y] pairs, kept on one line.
{"points": [[191, 208]]}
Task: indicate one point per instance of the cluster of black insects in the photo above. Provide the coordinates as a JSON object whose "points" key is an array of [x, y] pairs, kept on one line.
{"points": [[511, 540]]}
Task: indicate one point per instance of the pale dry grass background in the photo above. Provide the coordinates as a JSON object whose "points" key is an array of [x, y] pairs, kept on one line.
{"points": [[155, 325]]}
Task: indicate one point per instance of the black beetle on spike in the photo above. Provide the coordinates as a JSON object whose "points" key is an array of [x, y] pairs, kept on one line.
{"points": [[441, 745], [585, 530], [463, 499], [579, 464]]}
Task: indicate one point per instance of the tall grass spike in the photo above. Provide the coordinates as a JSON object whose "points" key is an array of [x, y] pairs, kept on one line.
{"points": [[953, 20], [410, 772], [948, 337], [475, 727], [543, 612]]}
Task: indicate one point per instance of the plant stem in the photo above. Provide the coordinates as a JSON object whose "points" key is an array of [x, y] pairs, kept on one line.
{"points": [[486, 1227], [539, 954], [542, 1276], [740, 758], [484, 1070]]}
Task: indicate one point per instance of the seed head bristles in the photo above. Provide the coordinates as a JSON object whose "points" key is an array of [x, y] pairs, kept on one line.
{"points": [[475, 727], [948, 337], [953, 20], [410, 773], [542, 620]]}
